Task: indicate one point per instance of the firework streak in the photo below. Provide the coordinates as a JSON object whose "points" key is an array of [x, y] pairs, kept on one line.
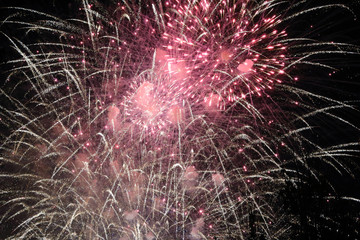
{"points": [[163, 120]]}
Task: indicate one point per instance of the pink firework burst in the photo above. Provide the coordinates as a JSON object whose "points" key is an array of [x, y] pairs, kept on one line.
{"points": [[153, 104], [170, 119], [228, 50]]}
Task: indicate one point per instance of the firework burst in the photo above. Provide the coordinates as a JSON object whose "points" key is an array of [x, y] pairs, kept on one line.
{"points": [[165, 120], [234, 49]]}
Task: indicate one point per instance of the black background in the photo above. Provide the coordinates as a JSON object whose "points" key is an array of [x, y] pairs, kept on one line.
{"points": [[337, 25]]}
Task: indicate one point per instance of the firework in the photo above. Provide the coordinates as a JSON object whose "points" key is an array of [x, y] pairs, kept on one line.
{"points": [[165, 120]]}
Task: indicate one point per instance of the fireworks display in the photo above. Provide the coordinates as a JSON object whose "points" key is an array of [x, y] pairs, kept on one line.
{"points": [[176, 119]]}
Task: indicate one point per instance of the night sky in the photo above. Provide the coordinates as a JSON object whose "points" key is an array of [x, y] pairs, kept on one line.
{"points": [[343, 85]]}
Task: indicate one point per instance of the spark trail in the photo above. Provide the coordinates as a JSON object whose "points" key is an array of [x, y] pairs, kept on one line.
{"points": [[164, 120]]}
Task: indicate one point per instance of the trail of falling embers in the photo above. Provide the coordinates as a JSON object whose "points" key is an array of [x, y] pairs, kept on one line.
{"points": [[164, 120]]}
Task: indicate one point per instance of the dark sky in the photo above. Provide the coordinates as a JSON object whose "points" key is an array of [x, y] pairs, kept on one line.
{"points": [[338, 26]]}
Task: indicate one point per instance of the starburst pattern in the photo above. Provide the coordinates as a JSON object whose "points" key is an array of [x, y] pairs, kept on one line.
{"points": [[165, 120]]}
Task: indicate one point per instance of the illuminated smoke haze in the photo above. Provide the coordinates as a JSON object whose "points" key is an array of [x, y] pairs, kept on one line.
{"points": [[177, 120]]}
